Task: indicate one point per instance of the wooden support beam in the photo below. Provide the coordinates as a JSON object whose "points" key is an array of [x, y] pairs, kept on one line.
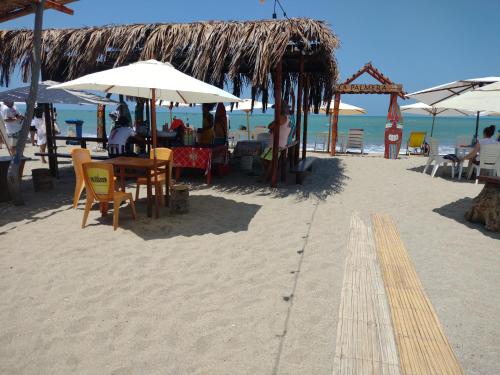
{"points": [[306, 111], [298, 122], [277, 121], [51, 4], [335, 124]]}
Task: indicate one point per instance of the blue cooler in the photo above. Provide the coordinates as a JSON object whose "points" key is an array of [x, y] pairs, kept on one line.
{"points": [[75, 129]]}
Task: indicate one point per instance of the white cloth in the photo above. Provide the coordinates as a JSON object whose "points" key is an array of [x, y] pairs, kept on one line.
{"points": [[11, 126], [41, 131], [119, 136]]}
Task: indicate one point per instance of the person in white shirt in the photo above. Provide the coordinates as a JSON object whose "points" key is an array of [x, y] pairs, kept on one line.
{"points": [[119, 136], [13, 122], [487, 139], [38, 123]]}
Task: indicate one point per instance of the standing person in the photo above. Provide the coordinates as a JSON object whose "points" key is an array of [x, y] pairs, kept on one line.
{"points": [[207, 132], [13, 123], [220, 125], [38, 123]]}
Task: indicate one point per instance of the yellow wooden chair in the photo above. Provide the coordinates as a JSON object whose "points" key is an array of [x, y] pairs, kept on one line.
{"points": [[416, 141], [79, 156], [161, 154], [100, 185]]}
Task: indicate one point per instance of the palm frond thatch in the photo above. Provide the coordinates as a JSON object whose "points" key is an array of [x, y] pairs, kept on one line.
{"points": [[243, 53]]}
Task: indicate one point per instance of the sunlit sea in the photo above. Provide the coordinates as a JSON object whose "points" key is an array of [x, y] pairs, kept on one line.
{"points": [[446, 129]]}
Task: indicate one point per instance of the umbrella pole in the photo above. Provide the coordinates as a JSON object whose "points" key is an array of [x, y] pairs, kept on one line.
{"points": [[248, 124], [432, 128], [153, 133], [170, 117]]}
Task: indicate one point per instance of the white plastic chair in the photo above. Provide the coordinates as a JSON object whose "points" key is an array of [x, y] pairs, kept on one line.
{"points": [[320, 142], [437, 159], [489, 159], [355, 139]]}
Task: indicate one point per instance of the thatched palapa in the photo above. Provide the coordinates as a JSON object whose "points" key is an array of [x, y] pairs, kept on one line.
{"points": [[235, 53]]}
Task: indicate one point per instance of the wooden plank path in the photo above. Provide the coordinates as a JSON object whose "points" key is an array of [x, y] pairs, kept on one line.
{"points": [[422, 345], [365, 339]]}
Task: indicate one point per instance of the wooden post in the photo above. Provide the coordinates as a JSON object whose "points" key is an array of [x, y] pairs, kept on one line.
{"points": [[14, 173], [149, 125], [306, 111], [276, 128], [153, 136], [50, 140], [335, 124], [299, 109]]}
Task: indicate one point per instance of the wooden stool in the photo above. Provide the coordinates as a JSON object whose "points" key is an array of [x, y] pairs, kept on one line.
{"points": [[42, 179], [179, 199]]}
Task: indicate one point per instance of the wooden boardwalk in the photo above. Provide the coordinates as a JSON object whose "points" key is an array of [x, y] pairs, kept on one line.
{"points": [[422, 345], [365, 340]]}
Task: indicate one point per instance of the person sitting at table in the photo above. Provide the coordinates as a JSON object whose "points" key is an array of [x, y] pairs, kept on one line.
{"points": [[267, 155], [220, 125], [120, 138], [207, 132], [488, 139]]}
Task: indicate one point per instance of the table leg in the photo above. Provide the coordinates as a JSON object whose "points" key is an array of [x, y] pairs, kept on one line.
{"points": [[178, 173], [209, 176], [104, 208], [167, 186], [460, 168], [150, 208], [122, 179]]}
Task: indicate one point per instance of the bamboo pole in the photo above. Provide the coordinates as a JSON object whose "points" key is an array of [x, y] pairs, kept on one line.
{"points": [[299, 108], [14, 173], [276, 129]]}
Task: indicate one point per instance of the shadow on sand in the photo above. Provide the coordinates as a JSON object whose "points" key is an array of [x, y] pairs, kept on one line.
{"points": [[456, 211]]}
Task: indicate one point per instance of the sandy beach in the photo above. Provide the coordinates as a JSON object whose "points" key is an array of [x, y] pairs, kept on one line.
{"points": [[248, 282]]}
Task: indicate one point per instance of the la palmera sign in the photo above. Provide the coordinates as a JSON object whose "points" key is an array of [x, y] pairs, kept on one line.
{"points": [[369, 89]]}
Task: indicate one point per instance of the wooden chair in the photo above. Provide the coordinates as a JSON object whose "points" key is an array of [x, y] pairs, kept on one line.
{"points": [[355, 139], [100, 185], [161, 154], [79, 156]]}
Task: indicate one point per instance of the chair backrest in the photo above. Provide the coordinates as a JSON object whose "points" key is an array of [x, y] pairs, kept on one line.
{"points": [[489, 156], [80, 156], [355, 138], [99, 180], [417, 139], [3, 136], [162, 153], [434, 147]]}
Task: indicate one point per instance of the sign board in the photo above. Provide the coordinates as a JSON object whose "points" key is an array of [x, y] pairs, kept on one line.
{"points": [[369, 89]]}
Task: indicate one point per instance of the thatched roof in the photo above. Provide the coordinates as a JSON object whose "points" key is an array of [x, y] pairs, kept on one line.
{"points": [[240, 53]]}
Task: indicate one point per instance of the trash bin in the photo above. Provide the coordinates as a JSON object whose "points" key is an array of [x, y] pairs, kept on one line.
{"points": [[75, 129]]}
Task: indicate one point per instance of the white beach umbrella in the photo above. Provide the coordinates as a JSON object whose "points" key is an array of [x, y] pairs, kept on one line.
{"points": [[344, 109], [435, 96], [425, 109], [486, 98], [246, 106], [153, 80]]}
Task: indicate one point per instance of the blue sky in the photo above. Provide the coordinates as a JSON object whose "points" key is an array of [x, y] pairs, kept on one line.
{"points": [[417, 43]]}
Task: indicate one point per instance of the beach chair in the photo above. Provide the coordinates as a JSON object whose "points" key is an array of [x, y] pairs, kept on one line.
{"points": [[4, 138], [100, 187], [320, 142], [437, 159], [416, 141], [355, 139], [161, 154], [489, 159], [79, 156]]}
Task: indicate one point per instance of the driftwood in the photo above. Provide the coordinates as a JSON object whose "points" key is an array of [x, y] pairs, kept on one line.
{"points": [[486, 208]]}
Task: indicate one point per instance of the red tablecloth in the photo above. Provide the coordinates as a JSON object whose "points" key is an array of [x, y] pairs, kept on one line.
{"points": [[199, 157]]}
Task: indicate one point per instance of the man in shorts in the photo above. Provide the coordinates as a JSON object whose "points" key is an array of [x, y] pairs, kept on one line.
{"points": [[13, 123]]}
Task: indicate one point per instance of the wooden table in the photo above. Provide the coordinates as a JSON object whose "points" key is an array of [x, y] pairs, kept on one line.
{"points": [[199, 157], [123, 164]]}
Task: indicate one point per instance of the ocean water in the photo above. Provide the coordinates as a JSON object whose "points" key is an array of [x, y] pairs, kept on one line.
{"points": [[446, 129]]}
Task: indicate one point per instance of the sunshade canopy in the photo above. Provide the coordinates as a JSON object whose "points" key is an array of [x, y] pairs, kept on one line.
{"points": [[486, 98], [60, 96], [138, 79], [344, 109], [437, 94], [425, 109]]}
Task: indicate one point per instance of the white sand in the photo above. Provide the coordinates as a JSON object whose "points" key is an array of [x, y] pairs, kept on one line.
{"points": [[203, 293]]}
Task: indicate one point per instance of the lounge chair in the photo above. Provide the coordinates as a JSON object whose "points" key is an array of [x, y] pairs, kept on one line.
{"points": [[437, 159], [79, 156], [161, 154], [355, 139], [100, 185], [489, 159], [416, 141]]}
